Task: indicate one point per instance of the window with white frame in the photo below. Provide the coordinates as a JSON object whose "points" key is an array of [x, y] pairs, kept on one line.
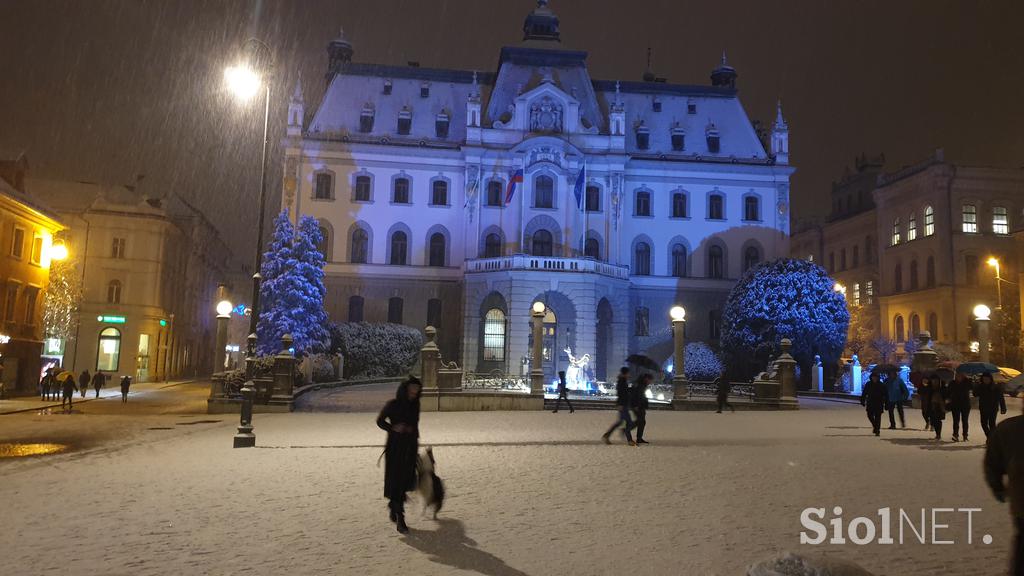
{"points": [[896, 231], [494, 336], [1000, 220], [869, 291], [970, 218], [929, 221], [912, 228], [856, 293]]}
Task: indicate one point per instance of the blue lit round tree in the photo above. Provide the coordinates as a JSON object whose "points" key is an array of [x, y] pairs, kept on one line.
{"points": [[787, 298], [292, 290]]}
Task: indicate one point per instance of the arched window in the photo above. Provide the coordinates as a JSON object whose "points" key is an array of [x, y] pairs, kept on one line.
{"points": [[395, 309], [679, 205], [898, 332], [592, 248], [897, 279], [362, 189], [752, 257], [933, 325], [439, 193], [493, 193], [643, 204], [716, 207], [542, 243], [679, 260], [642, 259], [896, 231], [323, 186], [716, 262], [912, 228], [399, 248], [108, 350], [494, 335], [355, 309], [400, 194], [913, 274], [593, 200], [114, 292], [929, 272], [325, 242], [929, 221], [915, 326], [438, 250], [492, 246], [543, 192], [360, 246], [751, 209]]}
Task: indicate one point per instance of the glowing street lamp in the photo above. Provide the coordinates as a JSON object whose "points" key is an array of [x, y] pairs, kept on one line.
{"points": [[224, 308], [243, 81], [59, 252], [839, 288]]}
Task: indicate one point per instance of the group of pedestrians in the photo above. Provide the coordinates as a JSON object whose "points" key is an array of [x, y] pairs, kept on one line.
{"points": [[937, 400], [630, 401], [57, 382]]}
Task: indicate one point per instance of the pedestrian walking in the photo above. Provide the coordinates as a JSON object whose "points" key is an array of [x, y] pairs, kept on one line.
{"points": [[83, 381], [924, 394], [937, 404], [622, 405], [68, 387], [400, 418], [722, 389], [98, 380], [1004, 456], [126, 383], [896, 390], [990, 399], [873, 397], [640, 405], [960, 404], [562, 393], [44, 385]]}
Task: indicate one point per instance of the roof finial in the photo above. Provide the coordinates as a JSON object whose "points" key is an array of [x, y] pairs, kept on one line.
{"points": [[297, 95], [780, 122], [725, 61], [474, 78]]}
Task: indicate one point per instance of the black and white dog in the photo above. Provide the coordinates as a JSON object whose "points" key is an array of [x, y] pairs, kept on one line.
{"points": [[431, 488]]}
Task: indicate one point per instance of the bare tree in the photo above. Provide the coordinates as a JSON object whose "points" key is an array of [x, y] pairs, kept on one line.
{"points": [[885, 348]]}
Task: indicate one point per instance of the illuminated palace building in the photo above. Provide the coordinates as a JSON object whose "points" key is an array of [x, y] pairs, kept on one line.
{"points": [[458, 198]]}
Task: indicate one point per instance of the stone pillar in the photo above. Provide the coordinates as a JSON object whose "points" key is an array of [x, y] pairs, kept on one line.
{"points": [[221, 343], [430, 360], [537, 351], [787, 372], [679, 389], [856, 377], [817, 375], [982, 338], [284, 372], [925, 359]]}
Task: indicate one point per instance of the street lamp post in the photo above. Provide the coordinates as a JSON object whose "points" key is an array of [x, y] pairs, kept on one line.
{"points": [[679, 388], [537, 352], [981, 317], [223, 316], [245, 82], [994, 262]]}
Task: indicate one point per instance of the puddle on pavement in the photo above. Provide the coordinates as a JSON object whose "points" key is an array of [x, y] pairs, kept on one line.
{"points": [[17, 450]]}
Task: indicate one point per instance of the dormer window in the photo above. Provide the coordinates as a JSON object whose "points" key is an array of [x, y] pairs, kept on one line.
{"points": [[691, 107], [387, 87], [404, 120], [366, 118], [424, 90], [441, 124], [643, 137], [678, 138], [656, 105], [714, 142]]}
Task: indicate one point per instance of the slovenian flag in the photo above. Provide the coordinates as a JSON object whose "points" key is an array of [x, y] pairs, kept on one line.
{"points": [[578, 189], [517, 178]]}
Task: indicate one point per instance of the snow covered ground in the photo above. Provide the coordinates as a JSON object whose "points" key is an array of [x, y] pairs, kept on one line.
{"points": [[529, 493]]}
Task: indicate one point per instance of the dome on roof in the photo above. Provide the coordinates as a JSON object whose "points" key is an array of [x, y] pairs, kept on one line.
{"points": [[724, 75], [541, 23]]}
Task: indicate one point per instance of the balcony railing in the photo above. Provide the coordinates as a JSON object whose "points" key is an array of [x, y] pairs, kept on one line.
{"points": [[546, 264]]}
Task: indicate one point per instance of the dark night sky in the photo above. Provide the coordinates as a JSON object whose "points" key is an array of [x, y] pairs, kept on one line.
{"points": [[105, 90]]}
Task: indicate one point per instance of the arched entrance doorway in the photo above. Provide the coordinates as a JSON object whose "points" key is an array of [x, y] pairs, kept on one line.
{"points": [[108, 353], [604, 339], [559, 333]]}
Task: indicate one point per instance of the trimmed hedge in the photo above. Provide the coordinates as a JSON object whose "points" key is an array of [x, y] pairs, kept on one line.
{"points": [[372, 350]]}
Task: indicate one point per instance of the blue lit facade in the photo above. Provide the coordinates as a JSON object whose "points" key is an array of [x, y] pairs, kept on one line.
{"points": [[408, 169]]}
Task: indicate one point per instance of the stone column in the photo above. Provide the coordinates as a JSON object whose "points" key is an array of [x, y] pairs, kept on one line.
{"points": [[982, 338], [679, 389], [925, 359], [537, 351], [787, 372], [430, 360], [284, 371], [221, 343]]}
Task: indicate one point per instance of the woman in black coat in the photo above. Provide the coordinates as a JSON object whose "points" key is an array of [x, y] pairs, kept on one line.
{"points": [[400, 418]]}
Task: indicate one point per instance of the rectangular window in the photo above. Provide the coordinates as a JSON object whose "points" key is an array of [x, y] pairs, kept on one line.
{"points": [[643, 139], [896, 232], [18, 243], [366, 121], [494, 193], [678, 141], [404, 122], [716, 211], [593, 200], [856, 294], [679, 205], [117, 248], [434, 313], [970, 218], [143, 345], [401, 191], [1000, 220], [441, 124], [10, 302], [691, 108], [912, 230], [869, 291], [395, 306], [439, 193], [643, 204], [36, 256], [362, 192], [322, 186], [31, 296]]}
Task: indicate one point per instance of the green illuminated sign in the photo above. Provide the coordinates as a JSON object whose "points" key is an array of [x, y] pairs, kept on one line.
{"points": [[111, 319]]}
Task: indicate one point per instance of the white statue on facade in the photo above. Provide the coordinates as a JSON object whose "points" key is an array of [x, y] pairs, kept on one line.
{"points": [[576, 373]]}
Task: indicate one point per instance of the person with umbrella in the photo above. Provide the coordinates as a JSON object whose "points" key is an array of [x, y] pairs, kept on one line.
{"points": [[990, 399], [897, 394], [622, 403], [936, 403], [873, 397]]}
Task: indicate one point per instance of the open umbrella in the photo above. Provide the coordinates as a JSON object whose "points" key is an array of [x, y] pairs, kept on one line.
{"points": [[642, 361], [1015, 385], [977, 368]]}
